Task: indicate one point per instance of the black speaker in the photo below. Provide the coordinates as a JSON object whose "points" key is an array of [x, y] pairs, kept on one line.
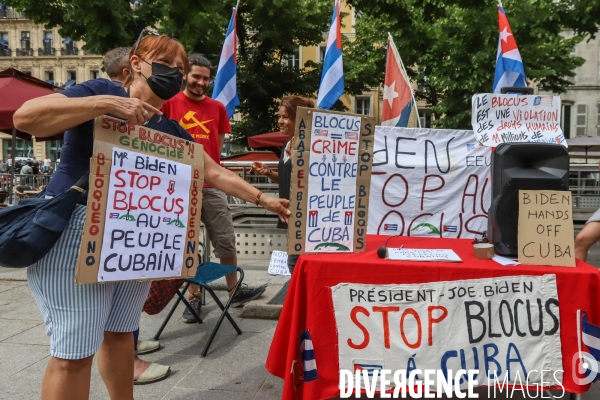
{"points": [[521, 166]]}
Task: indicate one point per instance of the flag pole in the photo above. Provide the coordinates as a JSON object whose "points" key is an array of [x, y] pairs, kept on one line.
{"points": [[412, 93], [237, 4]]}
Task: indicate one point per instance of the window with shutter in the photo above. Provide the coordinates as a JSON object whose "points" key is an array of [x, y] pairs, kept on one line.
{"points": [[565, 121], [363, 105], [581, 120]]}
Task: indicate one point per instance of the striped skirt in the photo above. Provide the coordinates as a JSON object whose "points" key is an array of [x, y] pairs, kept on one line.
{"points": [[76, 316]]}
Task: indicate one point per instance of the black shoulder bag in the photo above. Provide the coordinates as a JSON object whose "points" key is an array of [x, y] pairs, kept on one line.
{"points": [[31, 228]]}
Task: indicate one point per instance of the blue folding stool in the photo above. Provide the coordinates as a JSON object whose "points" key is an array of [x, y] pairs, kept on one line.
{"points": [[206, 273]]}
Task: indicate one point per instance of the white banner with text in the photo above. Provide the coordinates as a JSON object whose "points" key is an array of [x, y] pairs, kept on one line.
{"points": [[429, 182], [508, 326]]}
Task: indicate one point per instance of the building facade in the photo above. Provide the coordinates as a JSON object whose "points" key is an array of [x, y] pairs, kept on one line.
{"points": [[44, 54], [581, 102]]}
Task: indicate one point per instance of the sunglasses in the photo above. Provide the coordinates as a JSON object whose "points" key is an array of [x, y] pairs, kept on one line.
{"points": [[146, 31]]}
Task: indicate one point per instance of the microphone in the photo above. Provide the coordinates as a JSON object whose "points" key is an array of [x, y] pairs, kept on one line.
{"points": [[382, 251]]}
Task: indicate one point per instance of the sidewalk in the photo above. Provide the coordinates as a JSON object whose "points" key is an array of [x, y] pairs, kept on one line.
{"points": [[233, 369]]}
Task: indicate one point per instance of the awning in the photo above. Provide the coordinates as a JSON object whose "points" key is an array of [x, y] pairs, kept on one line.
{"points": [[67, 41], [584, 144], [4, 42], [272, 139], [50, 81], [47, 40], [16, 88], [70, 82]]}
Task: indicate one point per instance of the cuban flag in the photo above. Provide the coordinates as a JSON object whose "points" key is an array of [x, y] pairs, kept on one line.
{"points": [[225, 89], [307, 353], [370, 368], [589, 335], [348, 218], [509, 65], [313, 216], [332, 78], [397, 92]]}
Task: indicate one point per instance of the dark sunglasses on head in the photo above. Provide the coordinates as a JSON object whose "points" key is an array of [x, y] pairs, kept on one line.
{"points": [[147, 31]]}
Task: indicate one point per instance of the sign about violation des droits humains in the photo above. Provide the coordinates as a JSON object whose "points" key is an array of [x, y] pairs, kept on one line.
{"points": [[511, 118], [509, 326], [331, 168], [144, 202]]}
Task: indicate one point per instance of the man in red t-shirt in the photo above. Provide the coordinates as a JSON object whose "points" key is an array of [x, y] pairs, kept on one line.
{"points": [[207, 121]]}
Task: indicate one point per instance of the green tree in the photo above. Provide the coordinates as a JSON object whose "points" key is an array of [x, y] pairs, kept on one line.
{"points": [[268, 31], [450, 47]]}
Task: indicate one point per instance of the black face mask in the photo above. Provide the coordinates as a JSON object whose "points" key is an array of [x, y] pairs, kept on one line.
{"points": [[165, 82]]}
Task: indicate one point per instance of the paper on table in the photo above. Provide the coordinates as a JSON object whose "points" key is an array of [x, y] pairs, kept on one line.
{"points": [[505, 261], [423, 255]]}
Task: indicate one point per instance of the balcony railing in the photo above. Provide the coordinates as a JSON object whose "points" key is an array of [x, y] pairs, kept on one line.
{"points": [[65, 51], [9, 13], [47, 51], [5, 52], [25, 52]]}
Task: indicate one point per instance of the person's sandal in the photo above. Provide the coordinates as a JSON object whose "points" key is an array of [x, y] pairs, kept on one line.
{"points": [[154, 373], [148, 346]]}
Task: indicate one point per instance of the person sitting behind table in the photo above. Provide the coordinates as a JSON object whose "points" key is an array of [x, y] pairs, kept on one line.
{"points": [[589, 235]]}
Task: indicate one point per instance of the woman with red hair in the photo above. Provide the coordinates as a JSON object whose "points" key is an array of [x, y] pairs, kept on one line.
{"points": [[84, 319]]}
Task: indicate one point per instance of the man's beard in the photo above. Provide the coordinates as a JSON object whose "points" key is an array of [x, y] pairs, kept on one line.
{"points": [[196, 92]]}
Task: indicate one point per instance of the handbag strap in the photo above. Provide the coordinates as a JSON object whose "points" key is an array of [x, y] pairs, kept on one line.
{"points": [[82, 184]]}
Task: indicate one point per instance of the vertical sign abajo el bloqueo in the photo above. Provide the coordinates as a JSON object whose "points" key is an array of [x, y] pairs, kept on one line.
{"points": [[331, 168], [144, 202]]}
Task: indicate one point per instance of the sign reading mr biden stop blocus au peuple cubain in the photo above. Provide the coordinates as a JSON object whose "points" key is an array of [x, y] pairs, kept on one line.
{"points": [[143, 209]]}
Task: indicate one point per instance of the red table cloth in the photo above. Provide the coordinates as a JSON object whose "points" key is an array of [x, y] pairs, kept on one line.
{"points": [[309, 305]]}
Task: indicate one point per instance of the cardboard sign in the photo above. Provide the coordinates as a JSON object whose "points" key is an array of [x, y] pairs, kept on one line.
{"points": [[546, 228], [278, 264], [510, 118], [144, 202], [331, 168], [429, 182], [508, 325]]}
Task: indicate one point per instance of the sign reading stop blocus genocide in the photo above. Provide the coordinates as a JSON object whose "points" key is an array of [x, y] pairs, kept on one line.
{"points": [[510, 118], [144, 202], [331, 168]]}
